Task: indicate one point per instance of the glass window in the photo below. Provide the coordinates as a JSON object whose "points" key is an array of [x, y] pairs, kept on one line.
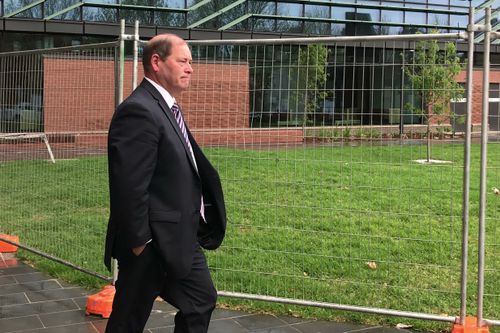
{"points": [[104, 1], [389, 30], [263, 24], [262, 7], [317, 28], [139, 2], [289, 26], [99, 14], [439, 2], [72, 15], [392, 16], [13, 5], [53, 6], [338, 29], [438, 19], [289, 9], [170, 19], [339, 13], [459, 21], [316, 11], [145, 17], [173, 3], [415, 17], [368, 14]]}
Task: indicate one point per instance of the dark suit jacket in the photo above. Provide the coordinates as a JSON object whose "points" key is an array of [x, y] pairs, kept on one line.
{"points": [[155, 189]]}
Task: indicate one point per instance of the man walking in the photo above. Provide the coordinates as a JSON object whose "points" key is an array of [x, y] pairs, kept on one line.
{"points": [[166, 199]]}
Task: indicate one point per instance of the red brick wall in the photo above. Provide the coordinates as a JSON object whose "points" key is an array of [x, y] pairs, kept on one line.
{"points": [[79, 101], [477, 91], [79, 95]]}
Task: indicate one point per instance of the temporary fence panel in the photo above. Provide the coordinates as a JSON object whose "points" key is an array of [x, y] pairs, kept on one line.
{"points": [[331, 194], [488, 245], [55, 109]]}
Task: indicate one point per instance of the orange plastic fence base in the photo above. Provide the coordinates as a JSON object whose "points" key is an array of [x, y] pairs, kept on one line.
{"points": [[101, 303], [6, 247], [470, 326]]}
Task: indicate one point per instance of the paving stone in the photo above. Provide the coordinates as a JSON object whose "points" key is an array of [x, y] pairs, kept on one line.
{"points": [[7, 280], [327, 327], [31, 277], [100, 325], [56, 294], [160, 319], [66, 318], [226, 325], [19, 324], [21, 269], [13, 299], [29, 286], [258, 322], [169, 329], [81, 302], [36, 308], [284, 329], [224, 313], [77, 328]]}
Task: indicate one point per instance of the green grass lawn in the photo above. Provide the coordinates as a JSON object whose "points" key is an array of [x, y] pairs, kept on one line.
{"points": [[304, 223]]}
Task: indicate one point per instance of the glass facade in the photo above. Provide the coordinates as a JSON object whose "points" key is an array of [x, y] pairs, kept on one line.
{"points": [[354, 88], [311, 17]]}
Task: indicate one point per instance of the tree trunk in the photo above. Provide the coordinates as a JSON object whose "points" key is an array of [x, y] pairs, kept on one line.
{"points": [[429, 134]]}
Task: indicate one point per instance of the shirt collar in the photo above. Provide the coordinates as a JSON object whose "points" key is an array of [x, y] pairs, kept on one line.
{"points": [[169, 99]]}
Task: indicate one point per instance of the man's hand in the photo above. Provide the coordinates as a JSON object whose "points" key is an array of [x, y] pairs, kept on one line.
{"points": [[138, 250]]}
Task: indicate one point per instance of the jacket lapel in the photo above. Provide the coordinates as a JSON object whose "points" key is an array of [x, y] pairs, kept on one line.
{"points": [[170, 116]]}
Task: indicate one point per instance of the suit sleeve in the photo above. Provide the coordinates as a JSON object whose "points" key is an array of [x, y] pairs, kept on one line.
{"points": [[132, 151]]}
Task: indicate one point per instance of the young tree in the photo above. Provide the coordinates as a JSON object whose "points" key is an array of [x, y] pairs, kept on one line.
{"points": [[312, 76], [432, 74]]}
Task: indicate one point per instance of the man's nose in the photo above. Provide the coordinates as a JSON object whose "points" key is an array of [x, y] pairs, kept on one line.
{"points": [[189, 68]]}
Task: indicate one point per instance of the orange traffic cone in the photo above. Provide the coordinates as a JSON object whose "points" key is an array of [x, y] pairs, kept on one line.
{"points": [[470, 326], [102, 302], [7, 247]]}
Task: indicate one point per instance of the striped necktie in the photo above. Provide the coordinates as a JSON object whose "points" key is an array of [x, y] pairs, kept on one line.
{"points": [[176, 110]]}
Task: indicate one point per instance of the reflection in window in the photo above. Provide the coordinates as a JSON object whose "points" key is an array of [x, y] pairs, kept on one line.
{"points": [[72, 15], [338, 29], [317, 11], [415, 17], [289, 9], [11, 6], [317, 28], [339, 13], [168, 19], [289, 26], [459, 21], [262, 7], [390, 30], [369, 14], [172, 3], [99, 14], [54, 6], [144, 17], [439, 2], [438, 19], [104, 1], [392, 16], [262, 24], [139, 2]]}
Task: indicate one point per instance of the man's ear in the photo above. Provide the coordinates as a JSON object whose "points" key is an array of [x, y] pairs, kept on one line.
{"points": [[155, 58]]}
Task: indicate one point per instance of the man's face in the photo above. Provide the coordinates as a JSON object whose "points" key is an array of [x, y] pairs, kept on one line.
{"points": [[174, 73]]}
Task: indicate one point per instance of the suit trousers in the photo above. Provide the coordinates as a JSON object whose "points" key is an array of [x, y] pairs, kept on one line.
{"points": [[141, 279]]}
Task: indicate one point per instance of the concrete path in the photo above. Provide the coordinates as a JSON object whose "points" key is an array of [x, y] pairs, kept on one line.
{"points": [[34, 302]]}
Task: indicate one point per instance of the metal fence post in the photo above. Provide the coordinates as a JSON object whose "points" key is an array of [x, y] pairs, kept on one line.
{"points": [[466, 179]]}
